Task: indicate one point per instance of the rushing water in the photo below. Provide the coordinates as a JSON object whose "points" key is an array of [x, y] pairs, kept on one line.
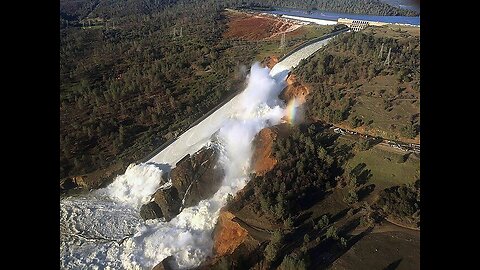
{"points": [[103, 230]]}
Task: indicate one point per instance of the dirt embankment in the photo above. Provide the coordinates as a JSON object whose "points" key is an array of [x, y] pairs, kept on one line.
{"points": [[263, 158], [294, 89], [246, 26], [270, 61], [230, 238], [228, 235]]}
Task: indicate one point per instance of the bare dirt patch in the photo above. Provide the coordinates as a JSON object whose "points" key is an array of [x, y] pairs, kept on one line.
{"points": [[255, 27], [228, 236], [264, 160], [294, 89]]}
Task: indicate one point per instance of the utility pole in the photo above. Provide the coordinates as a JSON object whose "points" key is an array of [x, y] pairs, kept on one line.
{"points": [[381, 52], [387, 61]]}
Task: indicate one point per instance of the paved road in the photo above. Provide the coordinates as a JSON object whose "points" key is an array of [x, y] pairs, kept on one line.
{"points": [[406, 147]]}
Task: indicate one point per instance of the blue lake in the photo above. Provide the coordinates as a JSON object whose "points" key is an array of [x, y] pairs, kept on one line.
{"points": [[333, 16]]}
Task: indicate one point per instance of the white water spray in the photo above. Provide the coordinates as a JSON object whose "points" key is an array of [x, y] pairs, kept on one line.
{"points": [[188, 236]]}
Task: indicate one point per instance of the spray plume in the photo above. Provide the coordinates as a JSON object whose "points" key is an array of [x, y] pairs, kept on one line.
{"points": [[188, 236]]}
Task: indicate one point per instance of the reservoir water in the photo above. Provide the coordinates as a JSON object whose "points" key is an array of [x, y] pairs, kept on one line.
{"points": [[334, 16]]}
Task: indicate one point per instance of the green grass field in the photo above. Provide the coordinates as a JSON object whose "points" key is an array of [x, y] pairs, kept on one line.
{"points": [[370, 105], [385, 167]]}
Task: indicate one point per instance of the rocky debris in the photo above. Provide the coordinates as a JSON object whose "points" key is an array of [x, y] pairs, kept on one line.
{"points": [[182, 175], [197, 177], [269, 61], [194, 178], [150, 210], [94, 180], [165, 264], [169, 202]]}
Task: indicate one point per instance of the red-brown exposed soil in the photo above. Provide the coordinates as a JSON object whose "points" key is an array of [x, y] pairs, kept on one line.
{"points": [[255, 27], [270, 61], [295, 90], [228, 235], [263, 159]]}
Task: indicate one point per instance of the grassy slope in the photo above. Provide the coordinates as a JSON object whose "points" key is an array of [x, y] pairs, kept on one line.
{"points": [[385, 167], [384, 102]]}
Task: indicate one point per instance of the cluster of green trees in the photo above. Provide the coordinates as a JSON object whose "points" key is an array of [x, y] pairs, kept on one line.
{"points": [[402, 202], [127, 89], [78, 9], [307, 161], [130, 83], [333, 74]]}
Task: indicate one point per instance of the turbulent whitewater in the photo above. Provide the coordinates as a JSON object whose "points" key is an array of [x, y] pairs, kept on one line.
{"points": [[103, 230]]}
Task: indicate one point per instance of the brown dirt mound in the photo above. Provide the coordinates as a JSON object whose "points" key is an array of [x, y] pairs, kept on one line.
{"points": [[228, 235], [270, 61], [263, 159], [294, 89], [253, 27]]}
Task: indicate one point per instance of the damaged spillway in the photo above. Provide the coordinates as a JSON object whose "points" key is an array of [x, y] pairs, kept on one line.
{"points": [[168, 206]]}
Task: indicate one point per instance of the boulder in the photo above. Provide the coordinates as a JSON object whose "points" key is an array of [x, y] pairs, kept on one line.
{"points": [[198, 177], [182, 175], [151, 210], [194, 178], [67, 183], [169, 202], [165, 264]]}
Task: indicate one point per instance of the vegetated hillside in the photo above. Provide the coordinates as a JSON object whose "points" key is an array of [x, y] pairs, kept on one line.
{"points": [[353, 86], [130, 82], [334, 201], [79, 9], [310, 208]]}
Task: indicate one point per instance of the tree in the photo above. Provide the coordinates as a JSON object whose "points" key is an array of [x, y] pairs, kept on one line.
{"points": [[363, 144], [288, 223], [343, 242], [409, 131], [351, 197], [332, 232], [293, 262], [355, 122], [306, 238], [271, 251], [323, 222]]}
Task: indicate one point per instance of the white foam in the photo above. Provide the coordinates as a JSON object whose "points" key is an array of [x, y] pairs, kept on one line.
{"points": [[188, 236], [136, 186]]}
